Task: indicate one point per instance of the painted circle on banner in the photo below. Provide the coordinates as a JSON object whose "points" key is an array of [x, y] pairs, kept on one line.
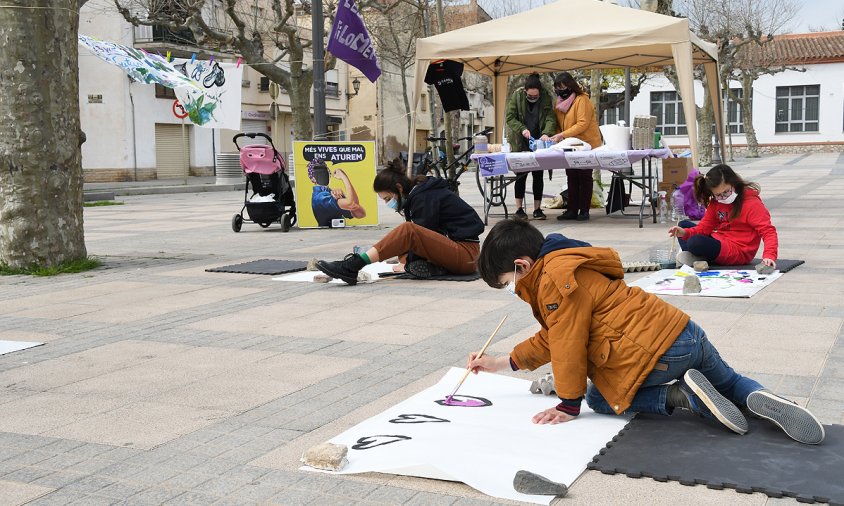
{"points": [[178, 110]]}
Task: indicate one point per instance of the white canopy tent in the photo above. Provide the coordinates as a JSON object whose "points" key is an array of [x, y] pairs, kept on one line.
{"points": [[576, 35]]}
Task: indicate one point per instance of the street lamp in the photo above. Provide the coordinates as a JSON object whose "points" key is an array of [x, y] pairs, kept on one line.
{"points": [[356, 87]]}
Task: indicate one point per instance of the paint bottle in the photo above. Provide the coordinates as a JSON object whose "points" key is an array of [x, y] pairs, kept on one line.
{"points": [[481, 143], [663, 208]]}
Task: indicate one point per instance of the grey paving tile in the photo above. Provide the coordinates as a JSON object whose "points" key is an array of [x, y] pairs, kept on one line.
{"points": [[90, 484], [153, 496], [193, 498], [390, 495], [27, 474], [220, 486], [430, 499], [186, 480], [58, 498], [94, 500]]}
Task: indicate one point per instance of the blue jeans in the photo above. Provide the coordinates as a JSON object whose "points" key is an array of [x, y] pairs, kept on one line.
{"points": [[691, 350], [704, 246]]}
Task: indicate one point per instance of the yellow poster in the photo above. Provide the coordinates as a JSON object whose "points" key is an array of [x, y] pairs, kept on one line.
{"points": [[334, 184]]}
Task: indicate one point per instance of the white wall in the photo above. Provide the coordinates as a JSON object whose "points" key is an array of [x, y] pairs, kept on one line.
{"points": [[829, 76]]}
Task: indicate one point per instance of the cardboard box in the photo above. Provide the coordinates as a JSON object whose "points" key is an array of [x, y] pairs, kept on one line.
{"points": [[676, 170]]}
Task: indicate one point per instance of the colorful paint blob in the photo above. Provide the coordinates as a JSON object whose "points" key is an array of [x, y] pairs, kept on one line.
{"points": [[464, 401]]}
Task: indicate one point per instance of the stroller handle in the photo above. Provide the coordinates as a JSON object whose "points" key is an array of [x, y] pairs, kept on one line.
{"points": [[252, 136]]}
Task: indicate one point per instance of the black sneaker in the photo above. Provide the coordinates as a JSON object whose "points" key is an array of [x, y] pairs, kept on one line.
{"points": [[794, 420], [538, 214], [705, 401], [346, 269], [568, 215], [424, 269], [520, 214], [583, 216]]}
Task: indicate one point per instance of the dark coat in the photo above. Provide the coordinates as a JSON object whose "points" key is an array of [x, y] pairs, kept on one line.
{"points": [[432, 205]]}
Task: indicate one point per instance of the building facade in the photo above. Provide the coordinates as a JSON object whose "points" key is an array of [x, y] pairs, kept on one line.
{"points": [[132, 133]]}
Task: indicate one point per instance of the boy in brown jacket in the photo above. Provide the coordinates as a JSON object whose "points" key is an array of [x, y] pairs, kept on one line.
{"points": [[631, 344]]}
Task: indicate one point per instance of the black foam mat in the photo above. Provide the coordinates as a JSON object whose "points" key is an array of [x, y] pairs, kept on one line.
{"points": [[445, 277], [783, 265], [694, 451], [263, 266]]}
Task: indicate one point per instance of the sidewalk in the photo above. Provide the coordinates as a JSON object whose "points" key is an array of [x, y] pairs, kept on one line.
{"points": [[160, 383]]}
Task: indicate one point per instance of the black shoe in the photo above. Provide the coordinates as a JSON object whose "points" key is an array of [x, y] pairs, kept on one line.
{"points": [[346, 269], [583, 216], [695, 393], [424, 269], [568, 215], [538, 214], [520, 214], [796, 421]]}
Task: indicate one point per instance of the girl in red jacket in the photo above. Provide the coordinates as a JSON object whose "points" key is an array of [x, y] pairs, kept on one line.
{"points": [[735, 222]]}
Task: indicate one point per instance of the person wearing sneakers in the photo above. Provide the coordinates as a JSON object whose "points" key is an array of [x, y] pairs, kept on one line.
{"points": [[529, 115], [734, 224], [440, 234], [641, 353], [576, 117]]}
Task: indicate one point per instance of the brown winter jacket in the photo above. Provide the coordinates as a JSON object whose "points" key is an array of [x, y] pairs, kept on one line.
{"points": [[593, 324]]}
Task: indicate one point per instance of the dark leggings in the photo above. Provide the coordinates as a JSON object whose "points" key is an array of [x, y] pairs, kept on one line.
{"points": [[700, 245], [521, 182], [579, 183]]}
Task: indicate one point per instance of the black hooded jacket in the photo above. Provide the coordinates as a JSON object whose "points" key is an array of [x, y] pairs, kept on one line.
{"points": [[432, 205]]}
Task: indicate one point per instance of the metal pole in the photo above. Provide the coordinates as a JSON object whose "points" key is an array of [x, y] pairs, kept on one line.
{"points": [[185, 152], [319, 69], [627, 96]]}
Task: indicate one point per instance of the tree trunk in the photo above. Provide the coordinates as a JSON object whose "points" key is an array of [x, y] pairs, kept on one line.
{"points": [[40, 159], [747, 116], [705, 118], [410, 137], [299, 89]]}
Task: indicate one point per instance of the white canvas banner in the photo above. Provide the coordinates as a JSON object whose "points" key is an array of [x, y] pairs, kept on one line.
{"points": [[10, 346], [483, 445], [215, 102], [713, 283]]}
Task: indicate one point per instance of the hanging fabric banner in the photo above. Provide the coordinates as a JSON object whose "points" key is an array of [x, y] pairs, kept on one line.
{"points": [[350, 42], [215, 101], [209, 91]]}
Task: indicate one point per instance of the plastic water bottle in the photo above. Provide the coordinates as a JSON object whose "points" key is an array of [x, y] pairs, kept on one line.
{"points": [[678, 211], [357, 250], [663, 208], [505, 146]]}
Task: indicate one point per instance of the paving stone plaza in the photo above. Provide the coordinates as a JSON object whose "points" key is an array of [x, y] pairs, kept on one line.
{"points": [[160, 383]]}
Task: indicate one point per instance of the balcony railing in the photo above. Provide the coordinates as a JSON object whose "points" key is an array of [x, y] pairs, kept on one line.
{"points": [[158, 33]]}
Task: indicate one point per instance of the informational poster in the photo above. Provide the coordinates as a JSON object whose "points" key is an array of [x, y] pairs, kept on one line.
{"points": [[215, 101], [334, 184], [520, 162], [481, 438]]}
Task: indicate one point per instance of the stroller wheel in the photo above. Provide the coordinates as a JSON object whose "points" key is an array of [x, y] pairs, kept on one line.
{"points": [[285, 223], [237, 222], [265, 225]]}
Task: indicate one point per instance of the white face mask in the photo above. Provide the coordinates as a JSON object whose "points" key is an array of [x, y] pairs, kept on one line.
{"points": [[511, 286], [729, 200]]}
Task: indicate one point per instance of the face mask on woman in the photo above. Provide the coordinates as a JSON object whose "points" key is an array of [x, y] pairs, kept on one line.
{"points": [[564, 94], [727, 199]]}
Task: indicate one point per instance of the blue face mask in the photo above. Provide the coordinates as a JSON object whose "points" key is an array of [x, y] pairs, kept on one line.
{"points": [[393, 204]]}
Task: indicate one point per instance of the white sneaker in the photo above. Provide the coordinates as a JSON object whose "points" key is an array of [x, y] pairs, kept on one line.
{"points": [[686, 258]]}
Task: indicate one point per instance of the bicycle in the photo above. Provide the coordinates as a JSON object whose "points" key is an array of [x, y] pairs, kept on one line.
{"points": [[440, 168]]}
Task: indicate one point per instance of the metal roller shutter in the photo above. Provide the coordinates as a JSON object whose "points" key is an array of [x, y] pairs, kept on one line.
{"points": [[170, 160], [253, 126]]}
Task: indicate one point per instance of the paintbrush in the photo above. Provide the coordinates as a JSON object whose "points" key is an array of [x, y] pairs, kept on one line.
{"points": [[480, 354]]}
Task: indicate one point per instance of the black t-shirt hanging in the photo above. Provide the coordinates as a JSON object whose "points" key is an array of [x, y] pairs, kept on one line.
{"points": [[445, 76]]}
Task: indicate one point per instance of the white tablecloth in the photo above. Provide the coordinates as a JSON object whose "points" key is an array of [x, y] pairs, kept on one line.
{"points": [[492, 164]]}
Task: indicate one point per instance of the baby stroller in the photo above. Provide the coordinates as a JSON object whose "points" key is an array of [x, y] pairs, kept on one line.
{"points": [[272, 195]]}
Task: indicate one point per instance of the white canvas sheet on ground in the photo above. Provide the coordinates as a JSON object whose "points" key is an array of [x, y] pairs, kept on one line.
{"points": [[482, 447], [10, 346], [308, 276], [713, 283]]}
